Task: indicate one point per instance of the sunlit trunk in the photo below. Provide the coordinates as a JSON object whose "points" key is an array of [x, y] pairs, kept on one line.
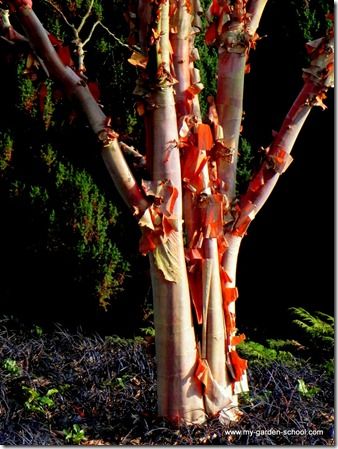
{"points": [[229, 105], [191, 225], [179, 392]]}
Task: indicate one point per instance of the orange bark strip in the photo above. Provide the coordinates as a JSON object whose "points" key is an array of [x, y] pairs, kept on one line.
{"points": [[193, 254], [230, 294], [237, 339], [204, 135], [241, 230], [238, 364], [280, 160], [190, 162], [212, 216], [257, 182], [215, 8], [222, 247], [202, 372], [148, 241], [224, 276]]}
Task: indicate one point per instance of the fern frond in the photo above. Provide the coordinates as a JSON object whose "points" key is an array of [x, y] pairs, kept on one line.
{"points": [[318, 327]]}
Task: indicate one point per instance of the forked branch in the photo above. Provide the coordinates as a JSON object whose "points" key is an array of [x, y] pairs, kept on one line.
{"points": [[77, 89]]}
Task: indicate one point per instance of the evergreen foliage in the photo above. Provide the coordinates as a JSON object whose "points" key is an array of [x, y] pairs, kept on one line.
{"points": [[316, 343], [260, 354], [319, 327], [61, 221], [318, 332], [311, 16], [245, 164]]}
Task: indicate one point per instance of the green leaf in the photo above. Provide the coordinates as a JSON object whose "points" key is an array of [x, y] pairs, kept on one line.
{"points": [[302, 388], [52, 391]]}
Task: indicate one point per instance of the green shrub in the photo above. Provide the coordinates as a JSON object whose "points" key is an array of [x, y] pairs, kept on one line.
{"points": [[75, 435], [11, 367], [257, 353], [318, 336], [318, 328]]}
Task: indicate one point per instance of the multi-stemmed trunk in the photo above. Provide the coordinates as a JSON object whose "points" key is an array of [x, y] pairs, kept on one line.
{"points": [[192, 223]]}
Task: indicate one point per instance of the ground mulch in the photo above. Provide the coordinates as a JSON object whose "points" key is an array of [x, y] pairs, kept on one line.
{"points": [[107, 387]]}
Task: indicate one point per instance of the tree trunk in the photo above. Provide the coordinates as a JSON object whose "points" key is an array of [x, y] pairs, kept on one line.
{"points": [[193, 267], [179, 392]]}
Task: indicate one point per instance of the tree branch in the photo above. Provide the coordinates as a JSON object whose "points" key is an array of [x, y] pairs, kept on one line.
{"points": [[318, 78], [53, 5], [90, 35], [116, 38], [85, 17], [234, 31], [77, 89], [131, 151], [255, 8]]}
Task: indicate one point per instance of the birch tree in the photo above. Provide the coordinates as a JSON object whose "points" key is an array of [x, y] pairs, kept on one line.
{"points": [[191, 218]]}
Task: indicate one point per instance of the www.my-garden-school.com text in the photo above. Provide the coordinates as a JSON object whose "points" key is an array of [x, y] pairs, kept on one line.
{"points": [[274, 432]]}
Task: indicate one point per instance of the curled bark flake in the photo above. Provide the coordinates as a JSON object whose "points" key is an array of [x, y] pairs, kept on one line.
{"points": [[234, 39], [212, 214], [166, 257], [279, 161], [237, 339], [164, 77], [321, 70], [236, 365], [215, 394], [220, 151], [107, 135], [245, 217], [138, 59], [158, 221], [318, 100]]}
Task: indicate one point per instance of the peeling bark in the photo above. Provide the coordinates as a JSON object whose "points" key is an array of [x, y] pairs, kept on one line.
{"points": [[192, 243], [179, 392]]}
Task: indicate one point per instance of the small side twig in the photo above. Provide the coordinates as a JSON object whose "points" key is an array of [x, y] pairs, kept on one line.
{"points": [[130, 150]]}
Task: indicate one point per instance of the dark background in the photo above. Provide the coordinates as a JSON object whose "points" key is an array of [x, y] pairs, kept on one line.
{"points": [[287, 258]]}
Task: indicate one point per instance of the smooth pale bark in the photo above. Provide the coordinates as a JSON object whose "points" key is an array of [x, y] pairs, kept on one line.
{"points": [[230, 87], [284, 140], [229, 263], [77, 90], [230, 266], [229, 103], [317, 79], [214, 346], [180, 41], [255, 10], [217, 393], [179, 392]]}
